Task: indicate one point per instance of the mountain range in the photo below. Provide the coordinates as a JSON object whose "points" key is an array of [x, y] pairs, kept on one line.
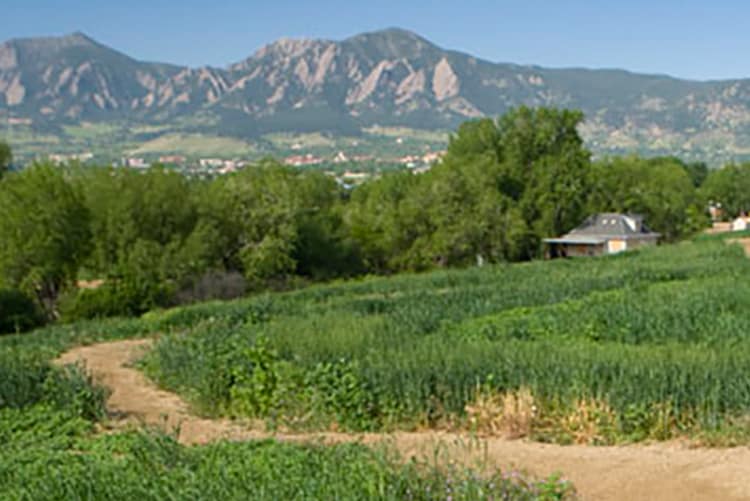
{"points": [[389, 78]]}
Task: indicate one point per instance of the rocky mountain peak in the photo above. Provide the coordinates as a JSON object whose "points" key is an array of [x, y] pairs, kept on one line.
{"points": [[393, 36], [286, 48], [55, 43], [391, 43]]}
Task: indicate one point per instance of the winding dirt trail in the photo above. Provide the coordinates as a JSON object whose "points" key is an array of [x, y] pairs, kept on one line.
{"points": [[665, 471]]}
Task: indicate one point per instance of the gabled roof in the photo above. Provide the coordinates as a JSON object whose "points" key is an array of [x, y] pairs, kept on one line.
{"points": [[613, 224], [599, 228]]}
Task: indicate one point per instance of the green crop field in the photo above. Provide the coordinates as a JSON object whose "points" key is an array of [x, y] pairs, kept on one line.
{"points": [[646, 345], [650, 345]]}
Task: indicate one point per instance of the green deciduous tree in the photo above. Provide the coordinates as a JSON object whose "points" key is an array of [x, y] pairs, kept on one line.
{"points": [[544, 158], [383, 221], [146, 239], [271, 222], [44, 230], [698, 172], [253, 216], [323, 247]]}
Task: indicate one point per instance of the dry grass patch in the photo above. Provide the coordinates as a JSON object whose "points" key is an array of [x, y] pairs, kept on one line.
{"points": [[589, 422], [510, 414]]}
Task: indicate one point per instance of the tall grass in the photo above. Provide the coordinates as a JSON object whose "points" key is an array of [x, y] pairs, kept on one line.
{"points": [[50, 456], [663, 328]]}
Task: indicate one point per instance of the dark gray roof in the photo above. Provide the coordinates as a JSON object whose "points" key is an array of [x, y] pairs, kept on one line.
{"points": [[606, 226]]}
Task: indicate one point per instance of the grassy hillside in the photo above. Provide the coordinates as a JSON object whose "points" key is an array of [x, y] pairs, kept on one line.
{"points": [[195, 145]]}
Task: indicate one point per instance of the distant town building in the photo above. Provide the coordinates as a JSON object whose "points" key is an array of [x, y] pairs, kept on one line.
{"points": [[135, 163], [303, 160], [340, 158], [433, 157], [421, 169], [19, 121], [172, 160], [358, 176], [59, 158], [211, 162]]}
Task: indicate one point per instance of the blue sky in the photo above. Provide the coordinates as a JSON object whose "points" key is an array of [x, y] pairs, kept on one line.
{"points": [[688, 38]]}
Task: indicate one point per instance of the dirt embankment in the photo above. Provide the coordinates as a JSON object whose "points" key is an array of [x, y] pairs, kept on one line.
{"points": [[665, 471]]}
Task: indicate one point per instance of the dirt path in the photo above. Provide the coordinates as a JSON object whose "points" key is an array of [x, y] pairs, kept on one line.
{"points": [[653, 472]]}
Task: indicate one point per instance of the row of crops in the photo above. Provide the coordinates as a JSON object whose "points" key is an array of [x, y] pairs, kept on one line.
{"points": [[637, 346]]}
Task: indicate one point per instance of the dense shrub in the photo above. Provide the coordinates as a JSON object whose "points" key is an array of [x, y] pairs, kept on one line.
{"points": [[71, 388], [18, 313], [117, 298], [29, 380], [22, 379]]}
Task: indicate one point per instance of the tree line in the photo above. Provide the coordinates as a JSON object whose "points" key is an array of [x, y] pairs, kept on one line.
{"points": [[155, 238]]}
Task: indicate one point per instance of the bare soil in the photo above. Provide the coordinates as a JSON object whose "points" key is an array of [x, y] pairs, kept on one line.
{"points": [[663, 471]]}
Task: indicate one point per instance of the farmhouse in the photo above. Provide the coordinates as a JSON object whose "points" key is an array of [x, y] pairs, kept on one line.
{"points": [[607, 233]]}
